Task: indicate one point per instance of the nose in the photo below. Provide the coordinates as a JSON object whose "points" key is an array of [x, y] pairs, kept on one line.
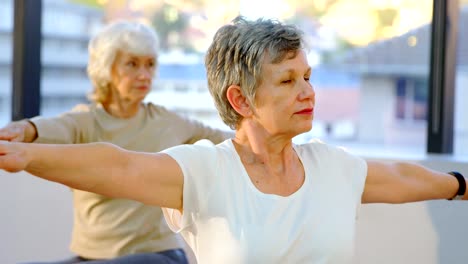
{"points": [[145, 73], [307, 92]]}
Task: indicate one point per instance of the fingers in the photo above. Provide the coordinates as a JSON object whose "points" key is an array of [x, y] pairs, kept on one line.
{"points": [[3, 147], [12, 133], [10, 160]]}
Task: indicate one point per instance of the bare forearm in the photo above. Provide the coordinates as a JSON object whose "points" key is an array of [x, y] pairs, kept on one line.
{"points": [[406, 182], [96, 167], [426, 184]]}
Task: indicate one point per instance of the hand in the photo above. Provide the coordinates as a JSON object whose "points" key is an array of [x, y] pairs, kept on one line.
{"points": [[20, 131], [12, 156]]}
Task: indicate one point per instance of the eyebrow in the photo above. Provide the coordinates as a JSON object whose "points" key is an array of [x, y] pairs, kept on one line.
{"points": [[291, 70]]}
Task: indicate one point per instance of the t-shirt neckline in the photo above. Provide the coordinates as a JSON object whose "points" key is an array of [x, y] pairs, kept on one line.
{"points": [[252, 186]]}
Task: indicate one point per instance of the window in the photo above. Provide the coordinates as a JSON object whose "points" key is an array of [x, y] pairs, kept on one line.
{"points": [[461, 84], [411, 99], [6, 27], [66, 29], [371, 83]]}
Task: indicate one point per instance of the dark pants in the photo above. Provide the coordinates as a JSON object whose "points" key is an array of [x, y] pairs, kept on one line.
{"points": [[174, 256]]}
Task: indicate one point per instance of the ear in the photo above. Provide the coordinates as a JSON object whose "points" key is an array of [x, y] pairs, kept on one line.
{"points": [[238, 101]]}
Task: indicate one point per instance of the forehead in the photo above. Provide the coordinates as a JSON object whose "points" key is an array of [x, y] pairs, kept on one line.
{"points": [[291, 62], [122, 55]]}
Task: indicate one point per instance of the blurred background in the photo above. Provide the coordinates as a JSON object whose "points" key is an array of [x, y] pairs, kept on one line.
{"points": [[370, 61]]}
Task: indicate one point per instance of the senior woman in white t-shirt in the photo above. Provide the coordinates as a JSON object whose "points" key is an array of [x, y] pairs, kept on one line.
{"points": [[256, 198]]}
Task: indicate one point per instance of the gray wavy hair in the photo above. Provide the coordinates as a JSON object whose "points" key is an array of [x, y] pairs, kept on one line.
{"points": [[128, 36], [236, 55]]}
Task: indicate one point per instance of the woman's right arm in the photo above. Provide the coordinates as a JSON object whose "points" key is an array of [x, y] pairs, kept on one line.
{"points": [[151, 178]]}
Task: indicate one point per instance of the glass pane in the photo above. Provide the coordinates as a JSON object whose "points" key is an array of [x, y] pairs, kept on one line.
{"points": [[6, 29], [66, 29], [371, 73], [369, 58], [370, 61], [461, 84]]}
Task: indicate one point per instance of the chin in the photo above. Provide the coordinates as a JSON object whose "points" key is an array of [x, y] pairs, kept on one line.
{"points": [[297, 132], [306, 128]]}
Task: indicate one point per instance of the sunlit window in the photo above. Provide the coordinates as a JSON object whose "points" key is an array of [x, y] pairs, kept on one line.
{"points": [[370, 60], [66, 29], [461, 84], [385, 45], [6, 27]]}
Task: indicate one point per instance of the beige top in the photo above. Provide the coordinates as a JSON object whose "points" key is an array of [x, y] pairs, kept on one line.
{"points": [[106, 227]]}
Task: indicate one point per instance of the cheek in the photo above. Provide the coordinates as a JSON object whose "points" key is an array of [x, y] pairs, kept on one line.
{"points": [[125, 81]]}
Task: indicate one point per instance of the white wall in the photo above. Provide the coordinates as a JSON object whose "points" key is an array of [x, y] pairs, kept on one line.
{"points": [[36, 221], [432, 232]]}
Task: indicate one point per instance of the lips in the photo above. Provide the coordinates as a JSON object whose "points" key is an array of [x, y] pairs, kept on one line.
{"points": [[305, 111], [142, 87]]}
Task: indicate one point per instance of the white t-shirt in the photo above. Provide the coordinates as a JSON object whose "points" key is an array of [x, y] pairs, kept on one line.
{"points": [[226, 219]]}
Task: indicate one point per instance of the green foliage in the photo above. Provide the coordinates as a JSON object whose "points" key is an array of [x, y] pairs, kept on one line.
{"points": [[171, 23], [386, 16], [92, 3]]}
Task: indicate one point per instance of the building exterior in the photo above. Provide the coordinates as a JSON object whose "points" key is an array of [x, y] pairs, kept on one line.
{"points": [[66, 28], [394, 88]]}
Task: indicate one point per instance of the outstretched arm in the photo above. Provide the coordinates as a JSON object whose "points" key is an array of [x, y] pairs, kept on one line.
{"points": [[406, 182], [103, 168]]}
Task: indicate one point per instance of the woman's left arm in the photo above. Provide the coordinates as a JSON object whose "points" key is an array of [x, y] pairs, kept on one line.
{"points": [[406, 182]]}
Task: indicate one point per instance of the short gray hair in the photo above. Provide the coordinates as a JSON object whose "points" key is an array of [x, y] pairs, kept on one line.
{"points": [[127, 36], [236, 55]]}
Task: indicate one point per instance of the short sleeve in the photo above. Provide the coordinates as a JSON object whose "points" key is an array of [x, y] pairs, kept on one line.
{"points": [[67, 128], [198, 165], [343, 171], [355, 170]]}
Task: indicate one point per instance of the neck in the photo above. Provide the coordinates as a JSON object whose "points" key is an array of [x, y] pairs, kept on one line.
{"points": [[257, 147], [122, 109]]}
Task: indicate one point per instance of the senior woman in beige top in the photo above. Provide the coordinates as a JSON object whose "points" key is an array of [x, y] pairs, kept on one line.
{"points": [[256, 198], [122, 63]]}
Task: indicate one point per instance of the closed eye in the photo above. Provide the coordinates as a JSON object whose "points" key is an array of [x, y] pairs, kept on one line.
{"points": [[286, 81], [131, 64]]}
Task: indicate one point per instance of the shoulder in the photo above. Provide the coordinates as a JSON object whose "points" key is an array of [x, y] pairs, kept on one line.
{"points": [[173, 118], [323, 152], [160, 112], [78, 113], [202, 151], [157, 110], [200, 162], [80, 108], [84, 112], [336, 163], [317, 146]]}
